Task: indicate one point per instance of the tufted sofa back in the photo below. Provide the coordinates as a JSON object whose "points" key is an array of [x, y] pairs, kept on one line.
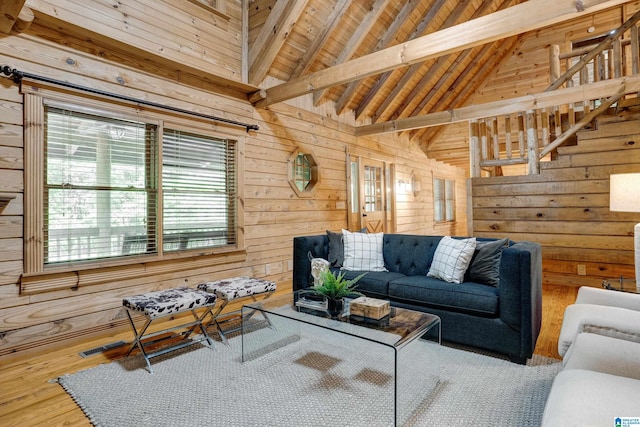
{"points": [[409, 254]]}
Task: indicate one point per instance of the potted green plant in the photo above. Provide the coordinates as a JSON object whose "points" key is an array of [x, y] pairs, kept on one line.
{"points": [[334, 288]]}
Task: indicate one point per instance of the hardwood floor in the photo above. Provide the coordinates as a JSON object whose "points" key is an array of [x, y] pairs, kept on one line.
{"points": [[29, 398]]}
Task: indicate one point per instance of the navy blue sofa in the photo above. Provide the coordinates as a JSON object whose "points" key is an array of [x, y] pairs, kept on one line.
{"points": [[504, 319]]}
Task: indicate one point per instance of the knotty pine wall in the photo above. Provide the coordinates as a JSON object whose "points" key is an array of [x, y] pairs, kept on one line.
{"points": [[273, 213], [566, 207]]}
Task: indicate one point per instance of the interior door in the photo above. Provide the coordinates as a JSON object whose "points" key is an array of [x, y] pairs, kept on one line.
{"points": [[373, 200]]}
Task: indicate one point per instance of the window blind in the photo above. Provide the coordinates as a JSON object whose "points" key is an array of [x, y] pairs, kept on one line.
{"points": [[97, 189], [199, 191]]}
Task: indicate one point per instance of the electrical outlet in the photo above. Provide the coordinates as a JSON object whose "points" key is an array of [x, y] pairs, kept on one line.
{"points": [[267, 269], [582, 270]]}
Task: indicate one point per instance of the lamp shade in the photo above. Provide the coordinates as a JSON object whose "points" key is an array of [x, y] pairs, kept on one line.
{"points": [[624, 192]]}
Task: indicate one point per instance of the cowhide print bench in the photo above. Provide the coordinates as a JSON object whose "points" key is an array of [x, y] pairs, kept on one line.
{"points": [[234, 289], [159, 304]]}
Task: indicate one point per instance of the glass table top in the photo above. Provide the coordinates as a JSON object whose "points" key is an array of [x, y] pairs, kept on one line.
{"points": [[398, 328]]}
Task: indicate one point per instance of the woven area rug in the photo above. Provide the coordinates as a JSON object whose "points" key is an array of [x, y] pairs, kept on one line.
{"points": [[310, 381]]}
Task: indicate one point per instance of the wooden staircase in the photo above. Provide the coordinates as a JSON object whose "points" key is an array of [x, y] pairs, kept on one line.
{"points": [[615, 134], [565, 207]]}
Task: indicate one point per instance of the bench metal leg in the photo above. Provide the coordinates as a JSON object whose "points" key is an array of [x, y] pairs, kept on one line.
{"points": [[139, 336], [218, 319]]}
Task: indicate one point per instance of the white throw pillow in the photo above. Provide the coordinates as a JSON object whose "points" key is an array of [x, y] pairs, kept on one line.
{"points": [[451, 259], [363, 252]]}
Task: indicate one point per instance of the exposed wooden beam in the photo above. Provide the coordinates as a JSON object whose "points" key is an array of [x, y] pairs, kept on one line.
{"points": [[423, 26], [426, 135], [524, 17], [9, 11], [312, 52], [272, 36], [386, 41], [455, 14], [600, 89], [427, 79], [25, 18], [377, 8]]}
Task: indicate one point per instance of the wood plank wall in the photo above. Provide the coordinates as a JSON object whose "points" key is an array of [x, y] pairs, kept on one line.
{"points": [[566, 208], [273, 213]]}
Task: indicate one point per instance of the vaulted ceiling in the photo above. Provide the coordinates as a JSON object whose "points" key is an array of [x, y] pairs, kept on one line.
{"points": [[319, 34], [292, 41]]}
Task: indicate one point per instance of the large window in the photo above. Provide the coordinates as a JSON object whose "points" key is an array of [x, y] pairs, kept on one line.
{"points": [[115, 186], [444, 200]]}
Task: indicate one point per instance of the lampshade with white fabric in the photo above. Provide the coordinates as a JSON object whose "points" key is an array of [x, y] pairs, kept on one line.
{"points": [[624, 196]]}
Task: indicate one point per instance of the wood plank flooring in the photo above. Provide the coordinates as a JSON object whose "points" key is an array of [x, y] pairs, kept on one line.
{"points": [[28, 398]]}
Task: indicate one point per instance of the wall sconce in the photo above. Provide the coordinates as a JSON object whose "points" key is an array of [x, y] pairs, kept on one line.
{"points": [[415, 184], [403, 186]]}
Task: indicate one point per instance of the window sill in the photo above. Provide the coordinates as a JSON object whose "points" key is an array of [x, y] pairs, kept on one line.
{"points": [[73, 277]]}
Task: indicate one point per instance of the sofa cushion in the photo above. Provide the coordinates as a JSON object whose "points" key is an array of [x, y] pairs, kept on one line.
{"points": [[409, 254], [452, 258], [465, 297], [336, 247], [374, 283], [485, 263], [363, 252]]}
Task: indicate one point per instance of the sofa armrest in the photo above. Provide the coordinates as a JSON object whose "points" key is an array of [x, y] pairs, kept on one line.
{"points": [[588, 295], [521, 292], [318, 246]]}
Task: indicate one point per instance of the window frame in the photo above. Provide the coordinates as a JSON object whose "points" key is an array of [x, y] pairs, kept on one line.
{"points": [[36, 96], [446, 203], [314, 172]]}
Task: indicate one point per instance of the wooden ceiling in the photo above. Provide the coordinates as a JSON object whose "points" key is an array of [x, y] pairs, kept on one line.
{"points": [[321, 34], [338, 51]]}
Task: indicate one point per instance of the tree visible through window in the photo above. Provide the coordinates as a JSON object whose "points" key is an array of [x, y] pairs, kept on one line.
{"points": [[104, 194]]}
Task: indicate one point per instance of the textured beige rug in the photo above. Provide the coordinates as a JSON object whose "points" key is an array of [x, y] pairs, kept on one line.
{"points": [[311, 382]]}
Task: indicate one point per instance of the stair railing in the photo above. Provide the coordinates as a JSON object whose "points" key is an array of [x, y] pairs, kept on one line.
{"points": [[540, 132]]}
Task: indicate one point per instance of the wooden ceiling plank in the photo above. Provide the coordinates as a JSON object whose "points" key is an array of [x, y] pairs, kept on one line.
{"points": [[434, 69], [382, 80], [387, 40], [356, 40], [9, 11], [272, 36], [461, 98], [427, 79], [521, 18], [312, 51], [599, 89]]}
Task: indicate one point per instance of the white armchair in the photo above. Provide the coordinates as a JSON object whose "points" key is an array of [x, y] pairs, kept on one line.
{"points": [[601, 311], [600, 345]]}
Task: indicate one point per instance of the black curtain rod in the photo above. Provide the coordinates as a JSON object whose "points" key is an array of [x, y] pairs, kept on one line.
{"points": [[19, 75]]}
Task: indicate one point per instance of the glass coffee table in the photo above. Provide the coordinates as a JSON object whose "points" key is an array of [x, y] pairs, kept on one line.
{"points": [[387, 339]]}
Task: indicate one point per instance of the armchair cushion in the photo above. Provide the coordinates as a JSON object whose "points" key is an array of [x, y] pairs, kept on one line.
{"points": [[614, 322]]}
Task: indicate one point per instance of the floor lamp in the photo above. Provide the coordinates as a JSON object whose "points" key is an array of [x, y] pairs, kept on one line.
{"points": [[624, 196]]}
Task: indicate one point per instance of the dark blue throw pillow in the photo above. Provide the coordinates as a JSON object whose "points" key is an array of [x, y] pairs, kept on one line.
{"points": [[336, 249], [485, 264]]}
